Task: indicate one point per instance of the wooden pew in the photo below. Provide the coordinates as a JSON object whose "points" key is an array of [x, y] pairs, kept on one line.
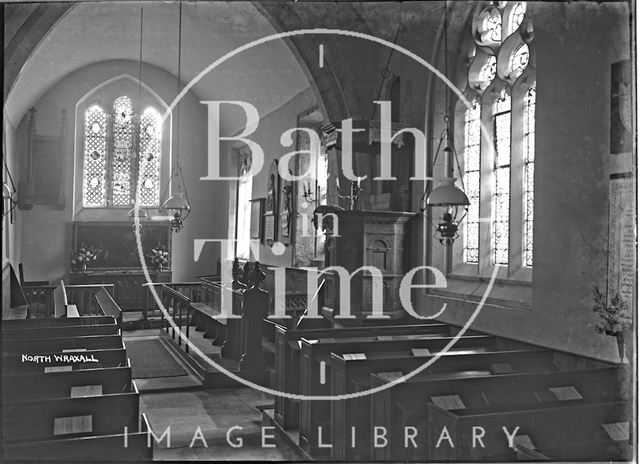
{"points": [[595, 452], [353, 375], [405, 404], [60, 301], [40, 386], [317, 353], [108, 306], [207, 317], [18, 307], [571, 423], [62, 331], [57, 344], [53, 323], [44, 419], [107, 448], [111, 357], [288, 347], [30, 283]]}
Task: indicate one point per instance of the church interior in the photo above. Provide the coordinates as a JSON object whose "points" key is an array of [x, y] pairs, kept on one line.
{"points": [[313, 231]]}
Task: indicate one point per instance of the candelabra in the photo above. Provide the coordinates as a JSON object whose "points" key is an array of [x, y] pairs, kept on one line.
{"points": [[355, 190], [308, 195]]}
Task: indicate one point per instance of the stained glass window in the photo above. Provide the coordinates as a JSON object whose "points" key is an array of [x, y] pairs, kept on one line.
{"points": [[149, 162], [529, 157], [122, 150], [472, 181], [94, 192], [502, 174]]}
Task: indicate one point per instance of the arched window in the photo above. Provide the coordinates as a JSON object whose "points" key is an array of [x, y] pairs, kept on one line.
{"points": [[501, 89], [529, 157], [502, 177], [472, 181], [121, 151]]}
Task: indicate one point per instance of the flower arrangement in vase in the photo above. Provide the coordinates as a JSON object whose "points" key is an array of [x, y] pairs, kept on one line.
{"points": [[81, 257], [158, 257], [613, 319]]}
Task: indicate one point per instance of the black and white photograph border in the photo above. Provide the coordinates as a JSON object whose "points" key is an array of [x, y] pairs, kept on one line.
{"points": [[300, 231]]}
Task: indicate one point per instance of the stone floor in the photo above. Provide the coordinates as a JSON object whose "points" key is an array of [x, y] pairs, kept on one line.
{"points": [[213, 424], [196, 421]]}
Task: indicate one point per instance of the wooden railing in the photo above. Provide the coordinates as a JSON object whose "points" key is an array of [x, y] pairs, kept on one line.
{"points": [[40, 299], [179, 307], [192, 290], [83, 296], [240, 338]]}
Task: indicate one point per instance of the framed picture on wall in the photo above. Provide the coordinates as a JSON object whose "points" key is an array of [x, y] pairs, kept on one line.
{"points": [[621, 134], [271, 205], [257, 218]]}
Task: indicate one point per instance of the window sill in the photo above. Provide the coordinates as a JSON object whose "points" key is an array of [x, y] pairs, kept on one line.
{"points": [[505, 293]]}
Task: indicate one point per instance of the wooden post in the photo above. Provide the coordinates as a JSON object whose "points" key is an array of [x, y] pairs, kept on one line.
{"points": [[255, 307]]}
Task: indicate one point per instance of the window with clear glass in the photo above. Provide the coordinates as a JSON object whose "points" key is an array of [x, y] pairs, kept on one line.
{"points": [[502, 176], [501, 85], [529, 157], [121, 151], [472, 182], [94, 191], [245, 185]]}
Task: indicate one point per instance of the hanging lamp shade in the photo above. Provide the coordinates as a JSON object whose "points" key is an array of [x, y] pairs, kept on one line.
{"points": [[177, 202], [447, 194]]}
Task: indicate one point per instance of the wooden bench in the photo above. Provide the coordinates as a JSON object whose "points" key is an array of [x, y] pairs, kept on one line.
{"points": [[18, 307], [404, 405], [108, 448], [92, 415], [62, 331], [110, 357], [353, 375], [61, 322], [108, 306], [224, 332], [57, 344], [570, 423], [288, 346], [316, 354], [40, 386], [60, 301], [585, 452]]}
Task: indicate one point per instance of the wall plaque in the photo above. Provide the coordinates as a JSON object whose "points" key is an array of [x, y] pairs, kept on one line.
{"points": [[621, 276]]}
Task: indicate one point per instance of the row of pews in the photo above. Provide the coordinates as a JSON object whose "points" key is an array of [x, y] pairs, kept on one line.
{"points": [[67, 391], [485, 398]]}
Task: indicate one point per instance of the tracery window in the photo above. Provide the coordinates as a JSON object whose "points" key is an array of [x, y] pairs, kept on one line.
{"points": [[529, 158], [502, 175], [121, 150], [472, 181], [501, 90]]}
